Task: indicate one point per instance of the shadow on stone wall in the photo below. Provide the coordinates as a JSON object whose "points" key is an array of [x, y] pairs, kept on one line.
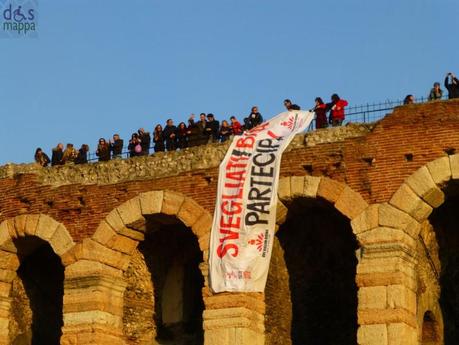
{"points": [[163, 300], [445, 221], [37, 294], [311, 293]]}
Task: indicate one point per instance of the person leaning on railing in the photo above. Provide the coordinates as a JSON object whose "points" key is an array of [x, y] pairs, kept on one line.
{"points": [[41, 157], [82, 157], [103, 150], [116, 146], [320, 109], [336, 108], [435, 92]]}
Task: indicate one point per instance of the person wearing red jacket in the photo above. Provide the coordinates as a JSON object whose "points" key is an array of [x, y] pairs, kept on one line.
{"points": [[321, 116], [236, 127], [336, 108]]}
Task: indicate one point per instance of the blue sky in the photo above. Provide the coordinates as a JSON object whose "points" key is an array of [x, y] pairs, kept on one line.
{"points": [[100, 67]]}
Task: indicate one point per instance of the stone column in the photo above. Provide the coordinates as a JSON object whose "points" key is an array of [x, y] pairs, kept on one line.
{"points": [[93, 304], [234, 319], [387, 299]]}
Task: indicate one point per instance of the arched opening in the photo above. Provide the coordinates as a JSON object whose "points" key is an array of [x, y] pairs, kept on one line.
{"points": [[163, 300], [311, 294], [445, 222], [37, 293], [429, 330]]}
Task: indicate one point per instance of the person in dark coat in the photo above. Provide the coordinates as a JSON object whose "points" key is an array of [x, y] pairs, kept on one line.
{"points": [[193, 132], [82, 157], [453, 86], [158, 139], [182, 137], [103, 151], [320, 109], [203, 138], [290, 106], [57, 155], [135, 147], [225, 131], [254, 119], [170, 135], [212, 128], [116, 146], [145, 141], [41, 157]]}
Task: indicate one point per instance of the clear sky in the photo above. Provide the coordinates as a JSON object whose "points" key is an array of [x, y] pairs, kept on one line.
{"points": [[100, 67]]}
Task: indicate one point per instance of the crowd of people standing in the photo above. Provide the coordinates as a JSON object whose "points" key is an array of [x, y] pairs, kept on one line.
{"points": [[207, 129]]}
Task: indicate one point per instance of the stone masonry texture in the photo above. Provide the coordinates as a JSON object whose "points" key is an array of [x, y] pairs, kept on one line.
{"points": [[384, 181]]}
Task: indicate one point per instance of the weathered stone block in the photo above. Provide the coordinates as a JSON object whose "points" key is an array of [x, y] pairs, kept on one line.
{"points": [[104, 233], [372, 335], [31, 224], [440, 170], [203, 225], [189, 212], [204, 242], [122, 244], [85, 268], [91, 250], [7, 276], [281, 212], [61, 241], [350, 203], [151, 202], [382, 235], [130, 211], [330, 189], [172, 202], [454, 165], [400, 296], [401, 334], [9, 261], [389, 216], [311, 185], [283, 189], [408, 201], [20, 225], [296, 186], [46, 227], [422, 184], [372, 297], [114, 220]]}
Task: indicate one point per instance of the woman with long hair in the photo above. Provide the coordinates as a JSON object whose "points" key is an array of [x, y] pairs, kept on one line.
{"points": [[158, 139]]}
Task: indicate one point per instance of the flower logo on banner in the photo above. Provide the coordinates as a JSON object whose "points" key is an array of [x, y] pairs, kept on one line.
{"points": [[292, 122], [259, 242]]}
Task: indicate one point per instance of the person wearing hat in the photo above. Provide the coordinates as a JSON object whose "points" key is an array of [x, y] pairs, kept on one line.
{"points": [[435, 92], [212, 128]]}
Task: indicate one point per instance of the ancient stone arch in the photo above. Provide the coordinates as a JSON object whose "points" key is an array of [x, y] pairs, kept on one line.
{"points": [[390, 233], [38, 225], [342, 197], [298, 194], [98, 263], [118, 231]]}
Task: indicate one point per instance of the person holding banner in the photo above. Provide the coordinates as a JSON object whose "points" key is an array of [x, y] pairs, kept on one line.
{"points": [[288, 104], [245, 211]]}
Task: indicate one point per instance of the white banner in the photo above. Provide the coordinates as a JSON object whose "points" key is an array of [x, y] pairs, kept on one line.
{"points": [[245, 211]]}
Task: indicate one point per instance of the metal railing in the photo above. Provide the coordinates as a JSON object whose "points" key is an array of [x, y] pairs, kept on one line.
{"points": [[364, 113]]}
